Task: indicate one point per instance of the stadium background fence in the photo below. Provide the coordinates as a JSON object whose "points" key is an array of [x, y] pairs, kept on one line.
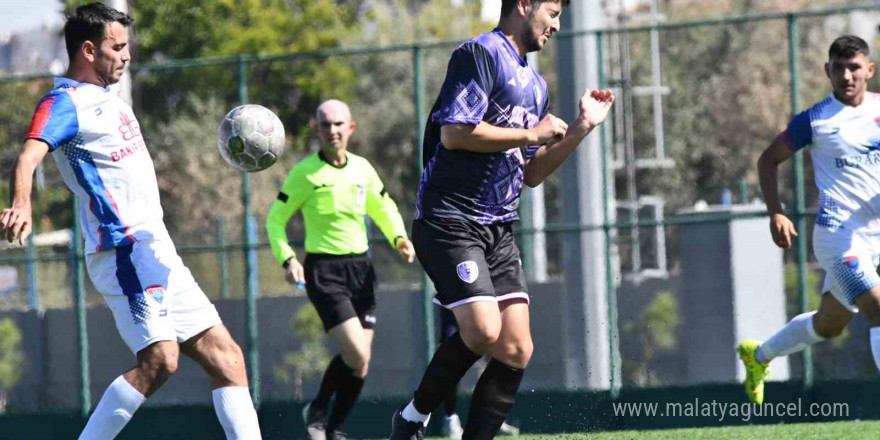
{"points": [[232, 261]]}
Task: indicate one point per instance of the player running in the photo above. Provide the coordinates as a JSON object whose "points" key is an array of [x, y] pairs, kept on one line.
{"points": [[843, 133], [159, 309], [489, 131], [335, 189]]}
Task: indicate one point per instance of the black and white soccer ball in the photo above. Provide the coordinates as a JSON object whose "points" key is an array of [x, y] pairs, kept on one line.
{"points": [[250, 138]]}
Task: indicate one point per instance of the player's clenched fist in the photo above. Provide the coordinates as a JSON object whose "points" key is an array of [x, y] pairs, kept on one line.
{"points": [[593, 108], [15, 223], [550, 128]]}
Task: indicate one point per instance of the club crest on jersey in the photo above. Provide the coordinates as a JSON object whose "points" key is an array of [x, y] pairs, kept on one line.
{"points": [[361, 198], [156, 292], [128, 127], [852, 262], [468, 271]]}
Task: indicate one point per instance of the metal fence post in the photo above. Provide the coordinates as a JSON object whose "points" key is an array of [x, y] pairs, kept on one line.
{"points": [[419, 100], [221, 256], [79, 293], [800, 219], [32, 258], [253, 353], [610, 292]]}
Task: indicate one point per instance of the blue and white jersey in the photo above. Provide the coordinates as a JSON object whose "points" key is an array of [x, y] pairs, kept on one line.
{"points": [[97, 144], [845, 147], [488, 81]]}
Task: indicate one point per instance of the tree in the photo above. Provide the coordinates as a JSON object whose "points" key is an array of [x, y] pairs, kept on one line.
{"points": [[11, 359], [311, 357]]}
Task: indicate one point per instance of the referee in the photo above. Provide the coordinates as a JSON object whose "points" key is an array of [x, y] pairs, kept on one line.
{"points": [[335, 189]]}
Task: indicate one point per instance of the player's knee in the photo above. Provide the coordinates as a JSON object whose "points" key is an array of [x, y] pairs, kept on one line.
{"points": [[828, 328], [159, 365], [481, 338], [358, 360], [515, 353]]}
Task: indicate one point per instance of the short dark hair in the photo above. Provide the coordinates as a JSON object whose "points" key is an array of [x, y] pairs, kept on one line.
{"points": [[848, 46], [89, 23], [508, 5]]}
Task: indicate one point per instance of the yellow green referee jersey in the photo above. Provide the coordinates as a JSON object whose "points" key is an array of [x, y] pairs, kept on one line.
{"points": [[333, 203]]}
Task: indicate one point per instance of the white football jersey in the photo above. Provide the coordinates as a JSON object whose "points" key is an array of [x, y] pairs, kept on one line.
{"points": [[845, 147], [97, 144]]}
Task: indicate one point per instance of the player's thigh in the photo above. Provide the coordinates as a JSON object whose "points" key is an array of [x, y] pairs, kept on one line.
{"points": [[327, 286], [133, 284], [351, 337], [514, 344], [218, 354], [453, 255], [505, 266], [847, 257], [832, 317], [479, 324], [869, 304]]}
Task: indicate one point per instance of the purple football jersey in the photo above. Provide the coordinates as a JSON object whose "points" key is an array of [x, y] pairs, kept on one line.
{"points": [[486, 80]]}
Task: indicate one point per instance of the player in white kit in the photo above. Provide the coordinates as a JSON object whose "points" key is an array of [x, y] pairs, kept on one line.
{"points": [[159, 309], [843, 133]]}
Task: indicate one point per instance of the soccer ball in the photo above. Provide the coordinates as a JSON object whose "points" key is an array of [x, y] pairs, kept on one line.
{"points": [[250, 138]]}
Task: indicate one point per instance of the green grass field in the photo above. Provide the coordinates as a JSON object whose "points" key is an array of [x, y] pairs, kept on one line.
{"points": [[803, 431]]}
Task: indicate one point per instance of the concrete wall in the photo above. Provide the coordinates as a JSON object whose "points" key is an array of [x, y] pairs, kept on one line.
{"points": [[51, 376]]}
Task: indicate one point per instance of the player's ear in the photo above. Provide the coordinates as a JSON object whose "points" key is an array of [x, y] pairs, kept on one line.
{"points": [[89, 51], [828, 70], [871, 69], [352, 125], [524, 7]]}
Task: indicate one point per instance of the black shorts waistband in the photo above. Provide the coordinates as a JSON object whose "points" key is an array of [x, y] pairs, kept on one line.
{"points": [[321, 257]]}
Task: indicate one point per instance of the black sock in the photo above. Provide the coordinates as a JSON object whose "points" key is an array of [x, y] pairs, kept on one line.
{"points": [[492, 400], [447, 367], [347, 391], [450, 400], [329, 383]]}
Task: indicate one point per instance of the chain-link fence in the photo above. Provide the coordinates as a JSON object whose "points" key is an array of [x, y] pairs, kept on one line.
{"points": [[692, 259]]}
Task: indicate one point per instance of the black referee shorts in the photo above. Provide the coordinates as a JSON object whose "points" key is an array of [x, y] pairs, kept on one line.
{"points": [[341, 287], [469, 262]]}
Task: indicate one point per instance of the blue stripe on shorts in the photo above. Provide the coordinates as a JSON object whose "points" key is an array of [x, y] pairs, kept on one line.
{"points": [[131, 284]]}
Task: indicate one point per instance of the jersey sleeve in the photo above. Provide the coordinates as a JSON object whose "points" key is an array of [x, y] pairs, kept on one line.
{"points": [[382, 209], [799, 133], [54, 120], [293, 194], [470, 78]]}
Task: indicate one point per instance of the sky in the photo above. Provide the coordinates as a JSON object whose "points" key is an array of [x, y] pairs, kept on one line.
{"points": [[22, 15]]}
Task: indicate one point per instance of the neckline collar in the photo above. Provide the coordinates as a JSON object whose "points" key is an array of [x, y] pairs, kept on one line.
{"points": [[510, 47], [324, 159], [65, 81]]}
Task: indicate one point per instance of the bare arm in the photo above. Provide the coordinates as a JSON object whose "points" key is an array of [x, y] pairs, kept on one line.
{"points": [[16, 221], [594, 106], [781, 228], [487, 138]]}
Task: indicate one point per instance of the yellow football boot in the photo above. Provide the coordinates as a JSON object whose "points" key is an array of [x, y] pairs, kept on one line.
{"points": [[756, 372]]}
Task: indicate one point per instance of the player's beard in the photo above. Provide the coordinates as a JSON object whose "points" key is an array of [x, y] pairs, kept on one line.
{"points": [[107, 77], [531, 42]]}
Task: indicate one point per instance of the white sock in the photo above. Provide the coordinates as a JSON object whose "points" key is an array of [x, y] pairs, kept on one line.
{"points": [[875, 345], [113, 412], [797, 335], [411, 414], [236, 413]]}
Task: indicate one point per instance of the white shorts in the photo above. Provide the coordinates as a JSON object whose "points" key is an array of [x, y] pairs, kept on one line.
{"points": [[850, 261], [152, 295]]}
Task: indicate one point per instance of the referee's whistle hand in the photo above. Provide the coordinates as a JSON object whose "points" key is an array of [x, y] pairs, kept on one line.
{"points": [[294, 273], [406, 250]]}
